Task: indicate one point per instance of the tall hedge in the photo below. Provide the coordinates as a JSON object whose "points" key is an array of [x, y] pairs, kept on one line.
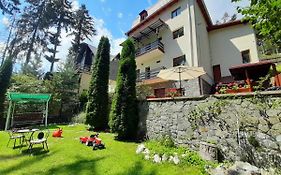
{"points": [[123, 115], [97, 106], [5, 77]]}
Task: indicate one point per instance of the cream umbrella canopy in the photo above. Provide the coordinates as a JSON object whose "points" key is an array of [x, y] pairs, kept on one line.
{"points": [[180, 73]]}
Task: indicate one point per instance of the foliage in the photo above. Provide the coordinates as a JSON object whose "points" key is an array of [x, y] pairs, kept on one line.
{"points": [[142, 91], [124, 116], [97, 107], [190, 158], [5, 77], [27, 84], [64, 87], [34, 68], [32, 29], [61, 17], [265, 17], [9, 6], [79, 118], [83, 28], [83, 99]]}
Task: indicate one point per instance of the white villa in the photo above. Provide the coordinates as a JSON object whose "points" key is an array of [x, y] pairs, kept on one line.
{"points": [[180, 32]]}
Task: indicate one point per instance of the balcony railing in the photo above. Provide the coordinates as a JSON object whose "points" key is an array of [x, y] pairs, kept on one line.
{"points": [[149, 47], [149, 74]]}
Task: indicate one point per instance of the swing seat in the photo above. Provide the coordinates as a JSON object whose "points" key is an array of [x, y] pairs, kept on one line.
{"points": [[26, 119]]}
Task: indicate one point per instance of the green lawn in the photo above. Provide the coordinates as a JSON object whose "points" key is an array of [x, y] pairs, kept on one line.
{"points": [[68, 156]]}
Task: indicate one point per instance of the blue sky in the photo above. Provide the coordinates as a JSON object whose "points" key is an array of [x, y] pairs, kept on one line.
{"points": [[114, 17]]}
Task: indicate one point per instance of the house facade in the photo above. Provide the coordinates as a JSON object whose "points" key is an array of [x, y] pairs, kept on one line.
{"points": [[84, 62], [180, 32]]}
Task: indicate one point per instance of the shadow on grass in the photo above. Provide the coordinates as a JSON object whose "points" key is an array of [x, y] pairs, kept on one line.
{"points": [[137, 169], [80, 166], [25, 163]]}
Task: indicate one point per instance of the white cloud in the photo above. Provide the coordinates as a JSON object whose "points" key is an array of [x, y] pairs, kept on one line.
{"points": [[149, 2], [120, 15], [75, 5], [5, 21]]}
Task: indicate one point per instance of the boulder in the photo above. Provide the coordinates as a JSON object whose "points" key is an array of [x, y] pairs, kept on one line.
{"points": [[140, 148]]}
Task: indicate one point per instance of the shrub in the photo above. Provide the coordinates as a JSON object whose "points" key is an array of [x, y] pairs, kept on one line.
{"points": [[80, 118], [97, 113], [124, 115]]}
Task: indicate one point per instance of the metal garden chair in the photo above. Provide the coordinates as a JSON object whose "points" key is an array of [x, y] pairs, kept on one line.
{"points": [[42, 138], [15, 136]]}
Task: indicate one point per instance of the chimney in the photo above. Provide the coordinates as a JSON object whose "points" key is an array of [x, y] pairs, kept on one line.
{"points": [[143, 14]]}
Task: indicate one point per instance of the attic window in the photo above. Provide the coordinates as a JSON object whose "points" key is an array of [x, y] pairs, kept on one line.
{"points": [[143, 15]]}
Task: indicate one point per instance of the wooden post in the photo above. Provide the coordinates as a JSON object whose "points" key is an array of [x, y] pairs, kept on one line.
{"points": [[8, 115], [248, 80], [277, 81]]}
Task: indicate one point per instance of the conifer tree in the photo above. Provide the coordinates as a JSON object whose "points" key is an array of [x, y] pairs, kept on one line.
{"points": [[83, 28], [123, 116], [61, 17], [33, 28], [9, 6], [5, 77], [97, 106]]}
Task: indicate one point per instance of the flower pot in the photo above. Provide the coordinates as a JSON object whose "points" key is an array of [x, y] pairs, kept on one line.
{"points": [[231, 91], [242, 90]]}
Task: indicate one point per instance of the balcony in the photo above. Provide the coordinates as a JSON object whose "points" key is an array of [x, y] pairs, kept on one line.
{"points": [[149, 75], [151, 50]]}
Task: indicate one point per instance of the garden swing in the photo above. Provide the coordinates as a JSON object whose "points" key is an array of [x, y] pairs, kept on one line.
{"points": [[25, 118]]}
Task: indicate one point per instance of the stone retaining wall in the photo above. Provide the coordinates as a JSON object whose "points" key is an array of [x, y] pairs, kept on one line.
{"points": [[245, 127]]}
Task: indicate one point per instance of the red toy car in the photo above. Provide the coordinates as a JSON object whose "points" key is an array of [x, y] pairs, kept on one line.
{"points": [[94, 141]]}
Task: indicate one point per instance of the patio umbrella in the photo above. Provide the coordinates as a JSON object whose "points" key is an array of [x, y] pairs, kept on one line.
{"points": [[180, 73]]}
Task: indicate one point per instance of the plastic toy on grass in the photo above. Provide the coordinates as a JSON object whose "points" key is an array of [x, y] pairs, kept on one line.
{"points": [[94, 141], [57, 133]]}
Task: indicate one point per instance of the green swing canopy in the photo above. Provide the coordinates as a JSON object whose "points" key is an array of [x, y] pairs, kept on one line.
{"points": [[24, 98], [21, 98]]}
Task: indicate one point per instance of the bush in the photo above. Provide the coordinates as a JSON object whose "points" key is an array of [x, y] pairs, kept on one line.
{"points": [[80, 118]]}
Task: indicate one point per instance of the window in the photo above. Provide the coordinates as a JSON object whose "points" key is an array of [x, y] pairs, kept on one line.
{"points": [[176, 12], [246, 56], [178, 33], [179, 61]]}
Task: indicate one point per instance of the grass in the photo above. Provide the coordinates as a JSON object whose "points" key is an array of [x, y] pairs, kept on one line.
{"points": [[68, 156]]}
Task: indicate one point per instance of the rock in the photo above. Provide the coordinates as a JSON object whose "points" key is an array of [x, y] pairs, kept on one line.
{"points": [[243, 168], [146, 157], [220, 170], [156, 158], [176, 160], [278, 138], [140, 148], [164, 158], [171, 158], [146, 151]]}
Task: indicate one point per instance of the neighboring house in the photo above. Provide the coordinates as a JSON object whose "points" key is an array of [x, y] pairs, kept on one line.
{"points": [[84, 62], [180, 32]]}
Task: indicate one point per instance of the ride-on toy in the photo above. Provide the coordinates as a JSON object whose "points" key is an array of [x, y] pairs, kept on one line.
{"points": [[94, 141]]}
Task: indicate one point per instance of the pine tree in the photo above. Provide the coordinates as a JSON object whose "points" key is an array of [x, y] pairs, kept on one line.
{"points": [[123, 116], [83, 28], [61, 16], [97, 106], [33, 28], [5, 76], [9, 6]]}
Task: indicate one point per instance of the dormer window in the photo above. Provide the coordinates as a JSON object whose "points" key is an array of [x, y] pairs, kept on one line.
{"points": [[143, 15]]}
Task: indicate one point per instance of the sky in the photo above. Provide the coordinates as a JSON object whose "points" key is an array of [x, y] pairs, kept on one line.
{"points": [[113, 18]]}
